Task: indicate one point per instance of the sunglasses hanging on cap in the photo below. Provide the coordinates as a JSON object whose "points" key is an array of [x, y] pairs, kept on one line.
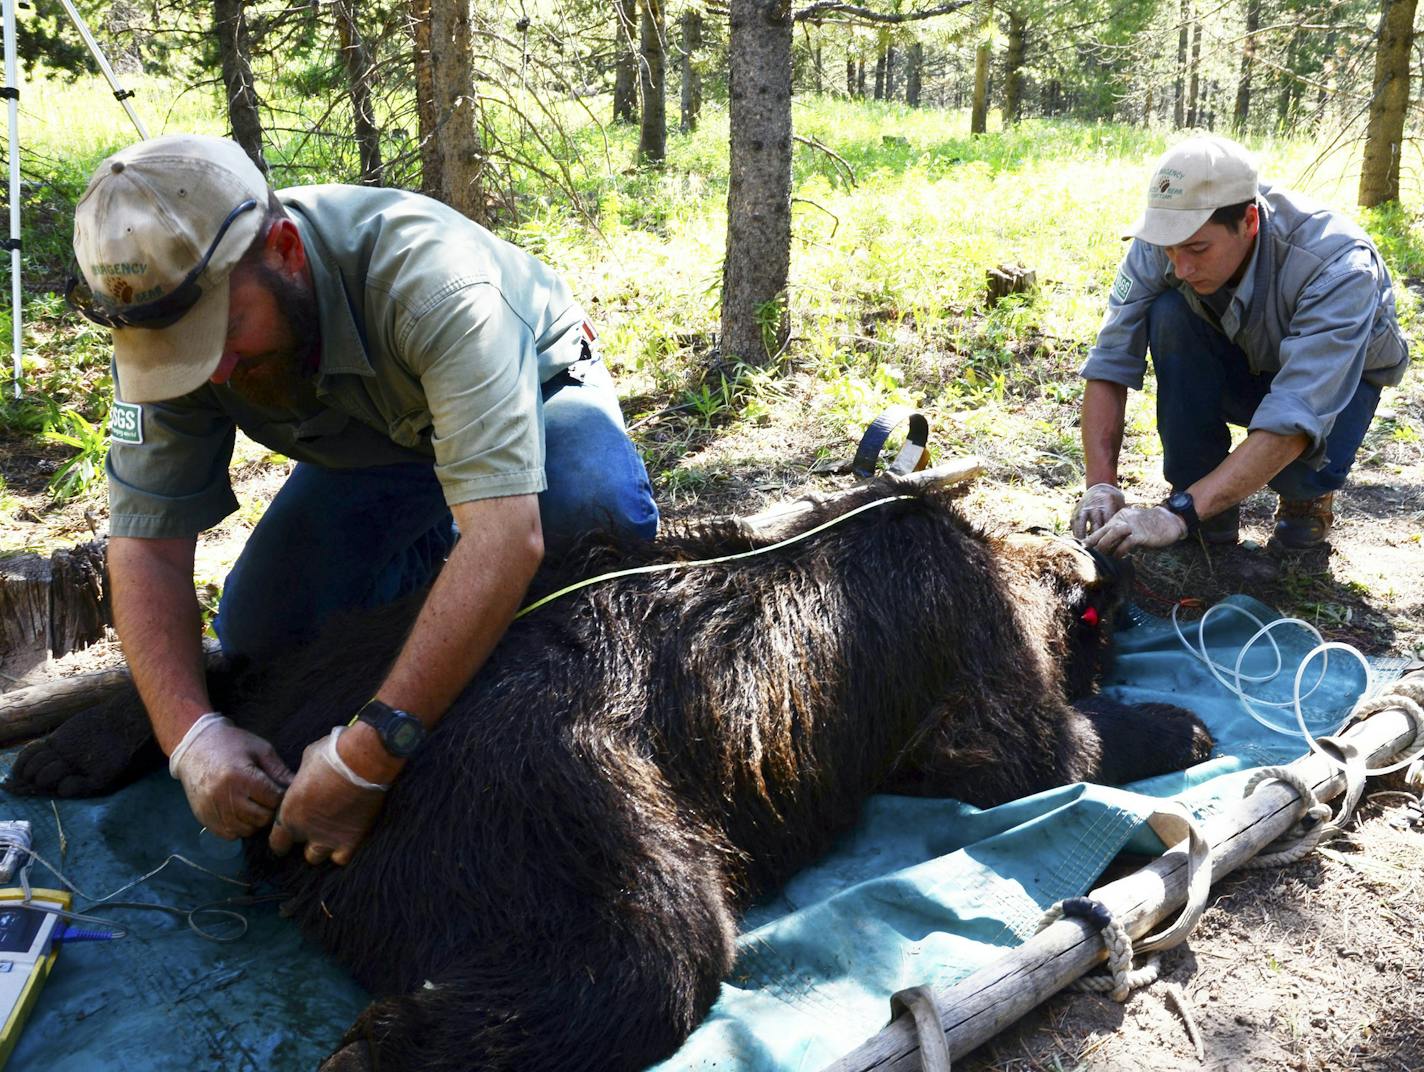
{"points": [[159, 313]]}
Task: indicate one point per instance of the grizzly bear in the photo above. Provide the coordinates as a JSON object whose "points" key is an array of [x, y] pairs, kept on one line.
{"points": [[555, 879]]}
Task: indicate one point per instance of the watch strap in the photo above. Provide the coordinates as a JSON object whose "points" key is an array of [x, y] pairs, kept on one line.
{"points": [[385, 720]]}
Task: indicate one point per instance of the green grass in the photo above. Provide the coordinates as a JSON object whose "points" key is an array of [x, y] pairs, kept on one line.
{"points": [[887, 273]]}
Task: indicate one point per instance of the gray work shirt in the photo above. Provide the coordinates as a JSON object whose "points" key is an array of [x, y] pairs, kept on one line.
{"points": [[1315, 308], [435, 338]]}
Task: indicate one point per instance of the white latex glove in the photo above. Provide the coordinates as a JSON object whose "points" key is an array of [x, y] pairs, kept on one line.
{"points": [[329, 806], [1098, 504], [1137, 526], [234, 779]]}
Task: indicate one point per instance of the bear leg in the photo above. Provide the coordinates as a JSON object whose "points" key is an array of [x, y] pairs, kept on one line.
{"points": [[105, 747], [1119, 743], [93, 752]]}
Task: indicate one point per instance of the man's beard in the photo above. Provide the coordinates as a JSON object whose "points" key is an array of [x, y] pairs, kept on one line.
{"points": [[282, 378]]}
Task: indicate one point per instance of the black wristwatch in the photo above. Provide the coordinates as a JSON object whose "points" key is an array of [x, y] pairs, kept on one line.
{"points": [[1182, 504], [401, 732]]}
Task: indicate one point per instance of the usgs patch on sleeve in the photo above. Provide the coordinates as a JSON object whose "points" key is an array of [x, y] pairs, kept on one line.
{"points": [[126, 423], [1122, 286]]}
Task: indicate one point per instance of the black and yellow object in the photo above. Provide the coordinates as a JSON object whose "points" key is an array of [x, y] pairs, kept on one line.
{"points": [[26, 956]]}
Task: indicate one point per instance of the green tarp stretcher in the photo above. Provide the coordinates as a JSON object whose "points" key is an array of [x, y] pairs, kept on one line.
{"points": [[922, 891]]}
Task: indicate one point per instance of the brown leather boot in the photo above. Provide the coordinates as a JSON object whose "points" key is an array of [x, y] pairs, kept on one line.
{"points": [[1302, 523]]}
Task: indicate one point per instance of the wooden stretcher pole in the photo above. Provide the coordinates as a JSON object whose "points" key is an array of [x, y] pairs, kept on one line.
{"points": [[977, 1008]]}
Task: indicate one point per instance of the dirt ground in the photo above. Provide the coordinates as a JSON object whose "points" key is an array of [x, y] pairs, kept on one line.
{"points": [[1317, 966]]}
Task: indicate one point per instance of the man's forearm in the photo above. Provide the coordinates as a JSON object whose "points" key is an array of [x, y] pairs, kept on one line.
{"points": [[1247, 469], [157, 619], [1104, 409], [465, 615]]}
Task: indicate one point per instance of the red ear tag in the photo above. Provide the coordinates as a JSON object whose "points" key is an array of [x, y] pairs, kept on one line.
{"points": [[1090, 616]]}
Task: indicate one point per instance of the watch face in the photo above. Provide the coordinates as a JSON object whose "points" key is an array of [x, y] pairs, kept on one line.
{"points": [[404, 735], [1179, 501]]}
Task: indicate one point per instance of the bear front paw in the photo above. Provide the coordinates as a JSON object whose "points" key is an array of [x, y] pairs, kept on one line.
{"points": [[85, 757]]}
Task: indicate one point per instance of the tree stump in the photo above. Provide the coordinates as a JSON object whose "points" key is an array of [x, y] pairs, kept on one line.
{"points": [[1009, 279], [52, 606]]}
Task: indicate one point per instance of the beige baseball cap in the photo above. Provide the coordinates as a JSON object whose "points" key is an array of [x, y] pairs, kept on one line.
{"points": [[1192, 180], [151, 213]]}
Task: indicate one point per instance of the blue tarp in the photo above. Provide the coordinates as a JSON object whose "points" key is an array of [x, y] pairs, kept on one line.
{"points": [[922, 891]]}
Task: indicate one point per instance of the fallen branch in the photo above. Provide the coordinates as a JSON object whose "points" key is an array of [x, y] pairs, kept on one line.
{"points": [[977, 1008], [785, 519], [37, 709], [29, 712]]}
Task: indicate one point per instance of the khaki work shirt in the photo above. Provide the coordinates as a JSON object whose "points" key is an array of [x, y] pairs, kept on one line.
{"points": [[435, 338]]}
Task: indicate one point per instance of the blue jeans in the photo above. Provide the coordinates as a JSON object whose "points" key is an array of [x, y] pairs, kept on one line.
{"points": [[1204, 383], [339, 539]]}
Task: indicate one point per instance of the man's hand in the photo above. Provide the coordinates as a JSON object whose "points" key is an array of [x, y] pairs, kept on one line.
{"points": [[1137, 527], [324, 808], [234, 779], [1098, 504]]}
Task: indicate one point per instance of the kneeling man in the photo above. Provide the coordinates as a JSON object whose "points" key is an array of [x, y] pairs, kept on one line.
{"points": [[1261, 309]]}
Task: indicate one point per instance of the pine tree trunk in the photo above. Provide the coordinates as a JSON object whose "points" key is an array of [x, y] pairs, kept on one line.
{"points": [[690, 26], [356, 60], [625, 70], [860, 78], [820, 72], [1193, 111], [1179, 100], [1287, 79], [1248, 55], [880, 68], [652, 81], [890, 58], [431, 179], [1013, 67], [914, 75], [1384, 134], [455, 133], [1326, 89], [755, 317], [124, 24], [979, 116], [230, 25], [850, 75]]}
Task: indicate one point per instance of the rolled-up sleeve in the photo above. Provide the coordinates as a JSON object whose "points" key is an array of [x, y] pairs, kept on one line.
{"points": [[1120, 353], [174, 482], [1323, 356], [477, 364]]}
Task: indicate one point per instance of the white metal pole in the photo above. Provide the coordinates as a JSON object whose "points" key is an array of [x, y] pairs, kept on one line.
{"points": [[121, 94], [12, 94]]}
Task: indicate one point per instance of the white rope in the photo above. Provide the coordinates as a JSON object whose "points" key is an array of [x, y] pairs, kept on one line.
{"points": [[1314, 824], [1122, 978], [1173, 823], [1406, 695]]}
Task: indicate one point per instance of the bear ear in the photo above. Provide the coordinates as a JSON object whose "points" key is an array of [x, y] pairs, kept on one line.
{"points": [[1068, 558]]}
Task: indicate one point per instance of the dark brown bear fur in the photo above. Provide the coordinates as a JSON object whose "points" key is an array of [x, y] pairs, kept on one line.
{"points": [[555, 879]]}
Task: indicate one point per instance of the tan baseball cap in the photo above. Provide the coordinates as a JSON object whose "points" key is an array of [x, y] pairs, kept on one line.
{"points": [[150, 214], [1192, 180]]}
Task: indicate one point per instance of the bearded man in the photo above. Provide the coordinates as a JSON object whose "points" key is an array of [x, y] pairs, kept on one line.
{"points": [[443, 396]]}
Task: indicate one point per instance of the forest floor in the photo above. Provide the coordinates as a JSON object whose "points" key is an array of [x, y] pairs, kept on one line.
{"points": [[1317, 966]]}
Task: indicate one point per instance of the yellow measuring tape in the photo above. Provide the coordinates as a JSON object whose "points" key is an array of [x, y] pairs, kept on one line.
{"points": [[660, 567]]}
